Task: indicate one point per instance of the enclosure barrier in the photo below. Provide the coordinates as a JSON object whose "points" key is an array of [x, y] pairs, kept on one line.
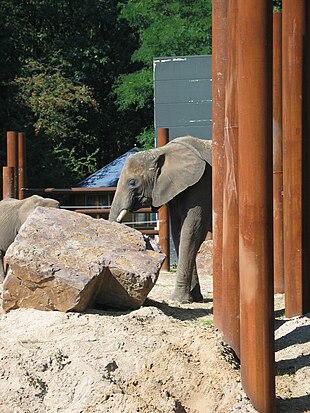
{"points": [[230, 254], [163, 213], [14, 177], [219, 64], [296, 151], [12, 159], [278, 235], [14, 174], [21, 164], [254, 66], [8, 182], [259, 176]]}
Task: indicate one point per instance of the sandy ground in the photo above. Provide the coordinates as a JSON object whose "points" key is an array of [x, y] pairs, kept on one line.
{"points": [[161, 358]]}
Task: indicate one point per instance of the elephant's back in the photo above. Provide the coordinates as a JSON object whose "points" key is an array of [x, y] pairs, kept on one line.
{"points": [[8, 222]]}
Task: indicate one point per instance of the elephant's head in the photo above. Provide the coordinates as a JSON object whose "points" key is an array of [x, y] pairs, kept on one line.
{"points": [[28, 205], [155, 177], [135, 186]]}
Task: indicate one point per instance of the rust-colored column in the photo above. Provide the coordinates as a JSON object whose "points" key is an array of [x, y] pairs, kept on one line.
{"points": [[295, 157], [230, 278], [306, 166], [255, 202], [278, 244], [219, 64], [8, 182], [21, 164], [12, 156], [163, 213]]}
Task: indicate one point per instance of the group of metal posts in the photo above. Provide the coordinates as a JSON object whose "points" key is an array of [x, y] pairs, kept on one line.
{"points": [[261, 196], [15, 172]]}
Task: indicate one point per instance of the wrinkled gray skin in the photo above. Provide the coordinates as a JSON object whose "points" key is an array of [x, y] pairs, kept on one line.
{"points": [[178, 174], [13, 213]]}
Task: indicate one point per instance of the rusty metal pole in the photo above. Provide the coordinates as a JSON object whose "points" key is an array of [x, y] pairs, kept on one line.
{"points": [[278, 243], [8, 182], [230, 280], [12, 156], [163, 213], [21, 163], [306, 166], [219, 63], [295, 160], [255, 202]]}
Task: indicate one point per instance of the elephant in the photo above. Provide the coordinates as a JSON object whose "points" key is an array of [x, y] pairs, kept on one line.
{"points": [[178, 174], [13, 213]]}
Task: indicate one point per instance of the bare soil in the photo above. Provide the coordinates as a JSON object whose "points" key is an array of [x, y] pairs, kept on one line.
{"points": [[161, 358]]}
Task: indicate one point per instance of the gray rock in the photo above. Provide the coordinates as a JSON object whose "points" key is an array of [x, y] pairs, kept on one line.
{"points": [[66, 261]]}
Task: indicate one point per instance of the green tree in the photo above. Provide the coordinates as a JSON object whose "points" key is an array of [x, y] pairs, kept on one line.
{"points": [[62, 58], [163, 28], [277, 5]]}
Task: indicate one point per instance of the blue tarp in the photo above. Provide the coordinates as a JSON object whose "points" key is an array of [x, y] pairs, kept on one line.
{"points": [[108, 175]]}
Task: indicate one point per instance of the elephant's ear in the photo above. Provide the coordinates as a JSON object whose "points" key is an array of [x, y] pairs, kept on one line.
{"points": [[178, 167]]}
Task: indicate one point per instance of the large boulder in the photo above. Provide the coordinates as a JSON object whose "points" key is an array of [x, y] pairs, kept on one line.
{"points": [[66, 261], [204, 259]]}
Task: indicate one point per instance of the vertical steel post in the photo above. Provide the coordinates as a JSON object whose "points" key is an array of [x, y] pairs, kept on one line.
{"points": [[230, 280], [12, 156], [163, 213], [255, 202], [278, 244], [295, 161], [306, 166], [219, 63], [8, 182], [21, 163]]}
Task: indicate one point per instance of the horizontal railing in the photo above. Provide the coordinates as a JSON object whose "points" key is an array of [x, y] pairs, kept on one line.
{"points": [[94, 210]]}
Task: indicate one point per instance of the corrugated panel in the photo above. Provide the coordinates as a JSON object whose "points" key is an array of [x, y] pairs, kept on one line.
{"points": [[183, 95]]}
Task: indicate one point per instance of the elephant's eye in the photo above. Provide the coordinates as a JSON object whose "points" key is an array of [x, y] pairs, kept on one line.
{"points": [[131, 183]]}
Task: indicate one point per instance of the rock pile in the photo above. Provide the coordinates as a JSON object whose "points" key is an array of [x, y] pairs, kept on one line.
{"points": [[66, 261]]}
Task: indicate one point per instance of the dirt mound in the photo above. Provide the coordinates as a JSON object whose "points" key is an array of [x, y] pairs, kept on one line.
{"points": [[161, 358]]}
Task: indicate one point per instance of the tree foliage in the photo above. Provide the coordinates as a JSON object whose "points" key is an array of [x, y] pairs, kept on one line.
{"points": [[61, 60], [77, 76], [277, 5], [170, 28]]}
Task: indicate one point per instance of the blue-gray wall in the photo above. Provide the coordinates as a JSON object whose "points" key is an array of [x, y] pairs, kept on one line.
{"points": [[183, 95]]}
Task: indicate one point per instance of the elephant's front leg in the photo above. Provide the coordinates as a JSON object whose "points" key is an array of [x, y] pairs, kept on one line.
{"points": [[195, 286], [187, 288]]}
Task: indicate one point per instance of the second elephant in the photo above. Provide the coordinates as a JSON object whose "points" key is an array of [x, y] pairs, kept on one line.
{"points": [[178, 174], [13, 213]]}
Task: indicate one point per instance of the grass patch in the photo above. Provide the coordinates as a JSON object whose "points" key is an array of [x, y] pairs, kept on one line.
{"points": [[207, 323]]}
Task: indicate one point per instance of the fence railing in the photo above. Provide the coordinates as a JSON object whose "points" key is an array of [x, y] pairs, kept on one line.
{"points": [[14, 186]]}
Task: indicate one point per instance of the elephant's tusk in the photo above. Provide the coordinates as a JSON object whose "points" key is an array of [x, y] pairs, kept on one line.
{"points": [[121, 215]]}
